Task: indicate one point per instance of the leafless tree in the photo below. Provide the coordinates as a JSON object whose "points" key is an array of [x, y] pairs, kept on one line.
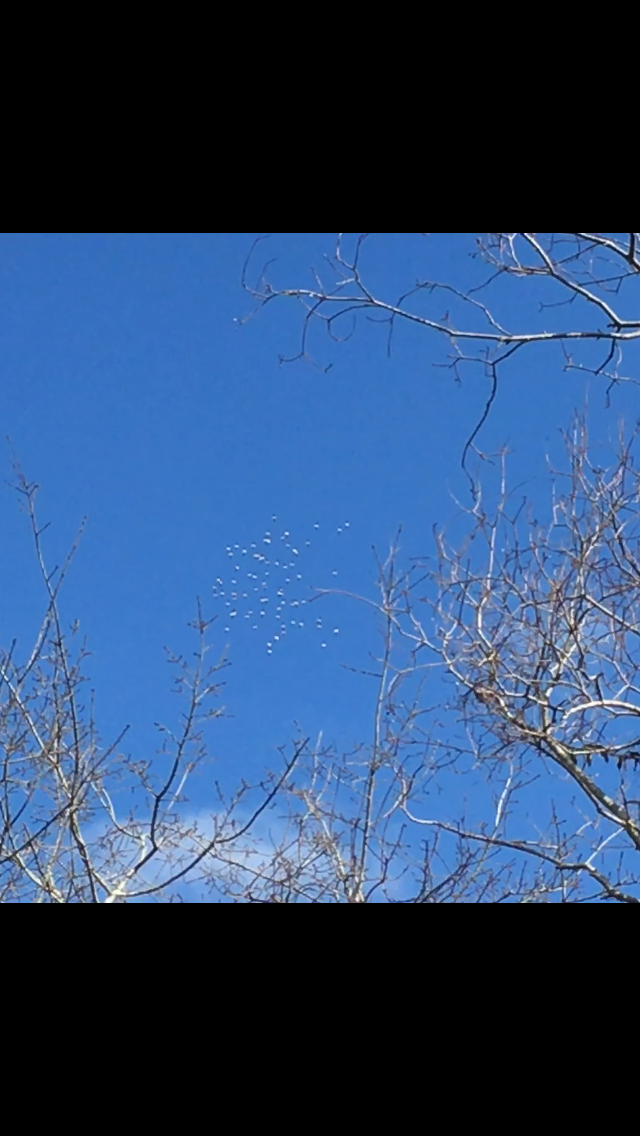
{"points": [[68, 832], [583, 296], [538, 627], [339, 834]]}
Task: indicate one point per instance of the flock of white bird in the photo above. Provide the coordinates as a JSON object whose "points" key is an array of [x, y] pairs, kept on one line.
{"points": [[268, 589]]}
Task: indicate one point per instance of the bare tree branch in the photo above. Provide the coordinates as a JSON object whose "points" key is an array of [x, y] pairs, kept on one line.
{"points": [[587, 269]]}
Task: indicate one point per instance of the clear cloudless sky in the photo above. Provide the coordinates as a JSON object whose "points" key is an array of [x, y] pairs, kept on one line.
{"points": [[134, 398]]}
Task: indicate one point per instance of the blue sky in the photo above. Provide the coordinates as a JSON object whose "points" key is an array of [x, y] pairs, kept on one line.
{"points": [[132, 396]]}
